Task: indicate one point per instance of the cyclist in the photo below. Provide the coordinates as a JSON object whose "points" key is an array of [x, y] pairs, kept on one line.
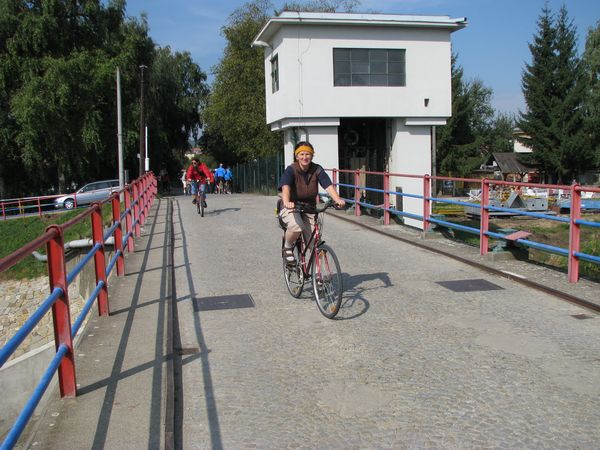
{"points": [[219, 174], [228, 177], [199, 175], [300, 183]]}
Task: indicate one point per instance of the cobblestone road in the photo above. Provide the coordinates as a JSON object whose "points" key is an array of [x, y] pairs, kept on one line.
{"points": [[409, 363]]}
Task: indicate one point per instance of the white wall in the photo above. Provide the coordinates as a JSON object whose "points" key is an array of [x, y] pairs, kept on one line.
{"points": [[411, 155], [325, 142], [306, 88]]}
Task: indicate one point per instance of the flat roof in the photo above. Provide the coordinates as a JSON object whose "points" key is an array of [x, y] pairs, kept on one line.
{"points": [[388, 20]]}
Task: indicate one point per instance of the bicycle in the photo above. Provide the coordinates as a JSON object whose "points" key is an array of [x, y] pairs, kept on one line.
{"points": [[200, 197], [323, 270]]}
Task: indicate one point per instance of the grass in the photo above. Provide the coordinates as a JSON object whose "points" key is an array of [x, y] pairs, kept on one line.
{"points": [[545, 232], [15, 233]]}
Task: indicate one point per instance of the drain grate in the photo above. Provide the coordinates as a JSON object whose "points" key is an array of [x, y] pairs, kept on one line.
{"points": [[187, 351], [223, 302], [582, 316], [477, 284]]}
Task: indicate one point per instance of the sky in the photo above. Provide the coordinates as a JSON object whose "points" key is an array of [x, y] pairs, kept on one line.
{"points": [[492, 48]]}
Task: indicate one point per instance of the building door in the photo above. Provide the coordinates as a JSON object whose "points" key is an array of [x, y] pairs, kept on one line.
{"points": [[363, 145]]}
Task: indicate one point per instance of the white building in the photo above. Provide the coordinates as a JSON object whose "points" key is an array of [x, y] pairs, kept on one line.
{"points": [[364, 89]]}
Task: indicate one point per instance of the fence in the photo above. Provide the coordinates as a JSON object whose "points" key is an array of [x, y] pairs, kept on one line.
{"points": [[260, 175], [412, 200], [138, 197]]}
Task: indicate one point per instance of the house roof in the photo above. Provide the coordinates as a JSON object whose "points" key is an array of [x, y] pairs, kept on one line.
{"points": [[332, 19], [508, 163]]}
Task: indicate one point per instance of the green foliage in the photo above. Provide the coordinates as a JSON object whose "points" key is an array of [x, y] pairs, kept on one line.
{"points": [[554, 89], [591, 64], [236, 106], [322, 6], [473, 132], [15, 233], [58, 118]]}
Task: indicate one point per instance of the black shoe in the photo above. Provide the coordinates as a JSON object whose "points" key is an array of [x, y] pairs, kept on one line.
{"points": [[194, 201], [204, 204]]}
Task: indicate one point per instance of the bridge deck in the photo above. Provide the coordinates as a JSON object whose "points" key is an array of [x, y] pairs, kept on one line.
{"points": [[427, 353]]}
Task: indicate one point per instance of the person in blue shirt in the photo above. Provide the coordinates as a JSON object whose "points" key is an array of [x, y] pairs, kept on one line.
{"points": [[219, 174], [228, 177]]}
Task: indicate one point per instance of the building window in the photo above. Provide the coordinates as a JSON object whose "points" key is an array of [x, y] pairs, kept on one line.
{"points": [[369, 67], [274, 74]]}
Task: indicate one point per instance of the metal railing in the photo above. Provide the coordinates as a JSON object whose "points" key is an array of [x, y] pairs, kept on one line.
{"points": [[261, 175], [358, 193], [126, 222]]}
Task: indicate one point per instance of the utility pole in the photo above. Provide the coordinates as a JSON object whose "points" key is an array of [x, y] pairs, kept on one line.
{"points": [[142, 124], [120, 132]]}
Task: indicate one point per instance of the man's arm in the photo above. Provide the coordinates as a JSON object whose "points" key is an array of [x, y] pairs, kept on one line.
{"points": [[207, 172]]}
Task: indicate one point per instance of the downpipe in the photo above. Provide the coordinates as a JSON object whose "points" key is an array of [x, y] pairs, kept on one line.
{"points": [[78, 243]]}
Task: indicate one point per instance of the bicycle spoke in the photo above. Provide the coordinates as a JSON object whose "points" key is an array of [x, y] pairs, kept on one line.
{"points": [[327, 282]]}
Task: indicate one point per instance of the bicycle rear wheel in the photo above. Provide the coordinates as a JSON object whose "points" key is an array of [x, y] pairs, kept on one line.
{"points": [[327, 281], [293, 274]]}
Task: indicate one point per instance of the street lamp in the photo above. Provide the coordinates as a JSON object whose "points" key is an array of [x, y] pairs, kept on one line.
{"points": [[142, 121]]}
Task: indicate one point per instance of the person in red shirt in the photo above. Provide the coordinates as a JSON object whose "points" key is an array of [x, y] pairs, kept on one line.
{"points": [[199, 175]]}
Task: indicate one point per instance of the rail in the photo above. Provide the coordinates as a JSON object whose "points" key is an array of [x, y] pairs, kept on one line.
{"points": [[418, 207], [129, 217]]}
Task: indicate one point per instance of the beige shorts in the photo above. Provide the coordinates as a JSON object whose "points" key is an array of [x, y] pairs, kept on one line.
{"points": [[296, 222]]}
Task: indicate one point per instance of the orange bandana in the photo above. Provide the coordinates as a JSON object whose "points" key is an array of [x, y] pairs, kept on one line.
{"points": [[304, 148]]}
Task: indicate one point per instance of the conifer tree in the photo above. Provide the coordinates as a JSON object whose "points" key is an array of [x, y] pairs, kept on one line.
{"points": [[591, 60], [553, 89]]}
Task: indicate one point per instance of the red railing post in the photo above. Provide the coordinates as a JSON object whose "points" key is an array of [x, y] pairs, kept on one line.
{"points": [[334, 177], [100, 258], [61, 313], [484, 217], [39, 207], [128, 219], [386, 198], [574, 234], [356, 192], [118, 235], [136, 208], [142, 196], [426, 201]]}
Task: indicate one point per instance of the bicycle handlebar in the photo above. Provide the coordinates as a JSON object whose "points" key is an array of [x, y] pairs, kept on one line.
{"points": [[310, 209]]}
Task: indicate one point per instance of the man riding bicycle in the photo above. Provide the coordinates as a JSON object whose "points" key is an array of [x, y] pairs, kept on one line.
{"points": [[199, 175], [300, 183]]}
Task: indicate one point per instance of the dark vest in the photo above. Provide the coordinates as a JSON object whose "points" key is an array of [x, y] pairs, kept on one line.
{"points": [[306, 185]]}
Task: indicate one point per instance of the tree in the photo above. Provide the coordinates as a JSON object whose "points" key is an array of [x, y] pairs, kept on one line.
{"points": [[177, 92], [553, 88], [58, 61], [460, 143], [236, 106], [322, 6], [591, 62]]}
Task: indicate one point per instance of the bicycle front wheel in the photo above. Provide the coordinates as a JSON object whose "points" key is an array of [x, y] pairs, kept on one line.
{"points": [[327, 281], [293, 274]]}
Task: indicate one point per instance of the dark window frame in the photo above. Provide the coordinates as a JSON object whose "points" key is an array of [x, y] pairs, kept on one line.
{"points": [[374, 67], [274, 74]]}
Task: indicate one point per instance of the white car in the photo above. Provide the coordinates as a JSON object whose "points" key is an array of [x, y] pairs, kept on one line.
{"points": [[91, 192]]}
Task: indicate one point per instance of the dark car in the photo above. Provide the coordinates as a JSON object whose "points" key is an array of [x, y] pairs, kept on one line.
{"points": [[91, 192]]}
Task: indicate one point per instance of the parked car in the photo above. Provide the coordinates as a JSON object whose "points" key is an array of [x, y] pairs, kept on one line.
{"points": [[91, 192]]}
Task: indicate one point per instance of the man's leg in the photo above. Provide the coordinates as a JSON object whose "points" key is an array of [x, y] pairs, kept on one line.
{"points": [[203, 188]]}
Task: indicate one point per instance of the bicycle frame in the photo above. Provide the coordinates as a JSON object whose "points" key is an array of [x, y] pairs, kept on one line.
{"points": [[313, 242], [200, 193]]}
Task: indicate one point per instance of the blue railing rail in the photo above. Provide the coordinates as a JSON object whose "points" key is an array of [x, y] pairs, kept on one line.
{"points": [[420, 210], [132, 214]]}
